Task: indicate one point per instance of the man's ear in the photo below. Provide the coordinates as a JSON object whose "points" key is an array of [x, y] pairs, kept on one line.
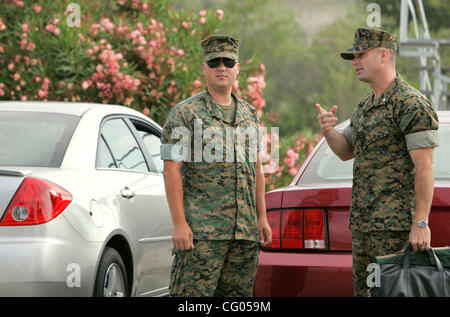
{"points": [[385, 54]]}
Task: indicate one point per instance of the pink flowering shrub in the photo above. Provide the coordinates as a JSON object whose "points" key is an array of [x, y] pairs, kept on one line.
{"points": [[140, 53], [292, 152]]}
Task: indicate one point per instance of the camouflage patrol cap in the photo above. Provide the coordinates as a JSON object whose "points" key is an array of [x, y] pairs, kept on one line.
{"points": [[220, 46], [366, 39]]}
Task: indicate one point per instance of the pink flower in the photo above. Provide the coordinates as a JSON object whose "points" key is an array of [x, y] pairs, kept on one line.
{"points": [[202, 13], [31, 46], [23, 44], [291, 158], [16, 76], [109, 26], [197, 83], [146, 111], [42, 93], [270, 168], [85, 85], [220, 14], [50, 28], [180, 52], [202, 20], [25, 27], [293, 171], [135, 34], [36, 8]]}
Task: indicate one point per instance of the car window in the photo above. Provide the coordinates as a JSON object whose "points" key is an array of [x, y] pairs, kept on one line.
{"points": [[124, 148], [34, 138], [104, 157], [327, 167], [152, 142]]}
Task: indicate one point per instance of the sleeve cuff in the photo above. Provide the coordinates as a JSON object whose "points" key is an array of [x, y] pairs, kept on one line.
{"points": [[422, 139], [347, 132], [175, 152]]}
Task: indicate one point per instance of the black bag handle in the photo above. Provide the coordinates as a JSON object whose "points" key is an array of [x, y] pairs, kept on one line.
{"points": [[438, 265], [436, 259]]}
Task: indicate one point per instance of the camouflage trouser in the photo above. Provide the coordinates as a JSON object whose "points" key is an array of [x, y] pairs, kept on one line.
{"points": [[367, 246], [215, 268]]}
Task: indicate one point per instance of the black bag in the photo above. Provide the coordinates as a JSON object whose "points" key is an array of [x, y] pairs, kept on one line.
{"points": [[421, 274]]}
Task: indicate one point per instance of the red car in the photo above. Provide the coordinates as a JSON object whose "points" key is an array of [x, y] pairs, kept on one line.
{"points": [[311, 251]]}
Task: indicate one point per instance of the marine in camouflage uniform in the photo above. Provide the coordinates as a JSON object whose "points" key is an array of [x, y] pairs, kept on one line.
{"points": [[381, 133], [218, 146]]}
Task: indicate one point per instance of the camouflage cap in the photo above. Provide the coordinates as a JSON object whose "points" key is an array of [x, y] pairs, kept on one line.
{"points": [[220, 46], [366, 39]]}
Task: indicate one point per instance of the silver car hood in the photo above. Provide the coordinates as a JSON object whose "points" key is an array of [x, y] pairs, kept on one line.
{"points": [[10, 179]]}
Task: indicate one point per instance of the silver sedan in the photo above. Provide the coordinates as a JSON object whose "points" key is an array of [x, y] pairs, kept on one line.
{"points": [[83, 210]]}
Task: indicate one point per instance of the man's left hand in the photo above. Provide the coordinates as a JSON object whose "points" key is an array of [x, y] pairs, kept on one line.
{"points": [[265, 233], [420, 238]]}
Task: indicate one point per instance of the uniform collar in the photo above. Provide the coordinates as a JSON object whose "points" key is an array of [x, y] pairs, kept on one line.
{"points": [[215, 111], [385, 96]]}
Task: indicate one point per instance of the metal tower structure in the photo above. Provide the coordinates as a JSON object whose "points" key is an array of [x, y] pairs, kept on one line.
{"points": [[425, 48]]}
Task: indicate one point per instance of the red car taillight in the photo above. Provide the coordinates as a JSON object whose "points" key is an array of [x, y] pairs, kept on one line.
{"points": [[36, 201], [298, 229]]}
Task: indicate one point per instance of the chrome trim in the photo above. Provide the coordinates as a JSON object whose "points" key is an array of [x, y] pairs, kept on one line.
{"points": [[15, 173], [157, 239], [157, 291]]}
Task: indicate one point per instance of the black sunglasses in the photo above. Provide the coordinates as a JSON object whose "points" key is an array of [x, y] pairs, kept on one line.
{"points": [[215, 62]]}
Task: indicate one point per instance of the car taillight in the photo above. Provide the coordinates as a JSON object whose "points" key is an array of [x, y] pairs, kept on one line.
{"points": [[36, 201], [297, 229]]}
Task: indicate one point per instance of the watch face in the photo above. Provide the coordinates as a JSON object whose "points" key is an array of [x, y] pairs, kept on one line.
{"points": [[422, 224]]}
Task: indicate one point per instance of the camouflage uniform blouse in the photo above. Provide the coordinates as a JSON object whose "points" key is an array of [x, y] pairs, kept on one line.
{"points": [[219, 170], [382, 131]]}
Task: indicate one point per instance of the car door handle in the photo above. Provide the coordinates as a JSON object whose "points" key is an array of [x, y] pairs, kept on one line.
{"points": [[127, 193]]}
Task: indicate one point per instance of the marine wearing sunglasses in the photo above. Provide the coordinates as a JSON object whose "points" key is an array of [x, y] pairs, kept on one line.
{"points": [[215, 62]]}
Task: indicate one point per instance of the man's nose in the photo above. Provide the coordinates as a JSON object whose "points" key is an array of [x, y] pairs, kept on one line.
{"points": [[221, 65]]}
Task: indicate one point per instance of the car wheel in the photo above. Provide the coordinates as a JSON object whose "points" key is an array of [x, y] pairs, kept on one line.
{"points": [[111, 280]]}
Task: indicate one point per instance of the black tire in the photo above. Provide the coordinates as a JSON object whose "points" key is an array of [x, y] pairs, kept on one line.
{"points": [[111, 278]]}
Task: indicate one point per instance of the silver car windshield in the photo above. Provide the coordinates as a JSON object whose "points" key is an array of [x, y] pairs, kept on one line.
{"points": [[34, 138], [326, 167]]}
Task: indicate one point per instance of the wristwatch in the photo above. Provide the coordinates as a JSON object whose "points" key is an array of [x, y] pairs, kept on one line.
{"points": [[421, 223]]}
